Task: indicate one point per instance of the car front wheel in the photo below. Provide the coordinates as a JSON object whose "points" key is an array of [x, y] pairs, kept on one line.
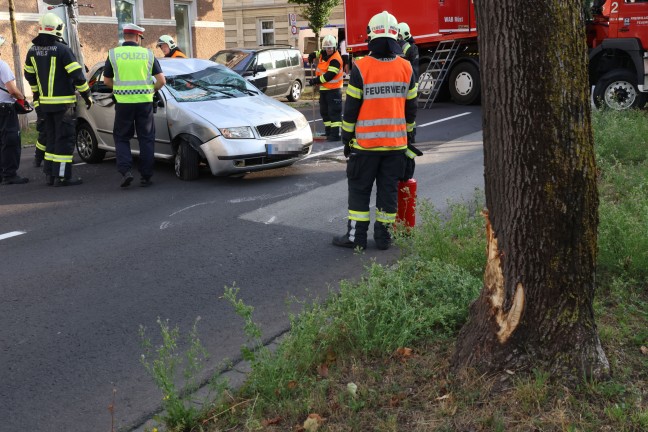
{"points": [[295, 92], [86, 144], [187, 162]]}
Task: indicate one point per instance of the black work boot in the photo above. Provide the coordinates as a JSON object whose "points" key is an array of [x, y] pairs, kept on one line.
{"points": [[37, 163], [382, 236], [127, 179], [146, 181], [327, 130], [62, 181], [333, 135], [14, 179], [49, 179], [355, 237]]}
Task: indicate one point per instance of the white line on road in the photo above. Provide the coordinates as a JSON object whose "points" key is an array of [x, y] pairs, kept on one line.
{"points": [[314, 120], [443, 119], [11, 234]]}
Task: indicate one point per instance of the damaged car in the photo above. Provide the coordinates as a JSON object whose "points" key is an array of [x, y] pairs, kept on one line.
{"points": [[205, 115]]}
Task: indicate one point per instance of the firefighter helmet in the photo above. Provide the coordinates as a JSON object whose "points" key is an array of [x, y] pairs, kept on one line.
{"points": [[51, 24], [383, 24], [404, 30], [329, 42], [166, 39]]}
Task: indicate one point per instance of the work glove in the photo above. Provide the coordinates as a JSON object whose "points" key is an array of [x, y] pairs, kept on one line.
{"points": [[410, 164], [411, 137], [313, 81], [347, 139], [311, 57], [88, 100], [24, 106]]}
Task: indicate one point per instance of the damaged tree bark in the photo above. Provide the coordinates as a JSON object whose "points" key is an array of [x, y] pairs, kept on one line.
{"points": [[540, 177]]}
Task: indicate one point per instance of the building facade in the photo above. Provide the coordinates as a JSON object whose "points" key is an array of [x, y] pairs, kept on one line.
{"points": [[250, 23], [197, 25]]}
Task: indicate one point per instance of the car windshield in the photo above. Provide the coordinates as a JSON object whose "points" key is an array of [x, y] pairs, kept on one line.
{"points": [[209, 84], [235, 60]]}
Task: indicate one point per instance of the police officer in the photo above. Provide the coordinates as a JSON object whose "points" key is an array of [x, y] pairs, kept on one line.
{"points": [[9, 126], [329, 77], [129, 71], [169, 47], [379, 112], [54, 74]]}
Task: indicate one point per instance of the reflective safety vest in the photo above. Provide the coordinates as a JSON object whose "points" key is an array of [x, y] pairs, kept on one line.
{"points": [[381, 121], [324, 66], [132, 66], [177, 53]]}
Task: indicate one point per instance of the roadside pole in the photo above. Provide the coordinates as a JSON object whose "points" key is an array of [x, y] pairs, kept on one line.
{"points": [[18, 71]]}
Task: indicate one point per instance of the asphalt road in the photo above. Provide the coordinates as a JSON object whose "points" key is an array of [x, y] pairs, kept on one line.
{"points": [[81, 268]]}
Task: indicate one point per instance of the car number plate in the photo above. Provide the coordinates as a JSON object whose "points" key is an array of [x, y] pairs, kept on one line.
{"points": [[283, 148]]}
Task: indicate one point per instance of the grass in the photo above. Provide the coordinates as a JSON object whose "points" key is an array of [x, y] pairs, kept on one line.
{"points": [[374, 355], [28, 136]]}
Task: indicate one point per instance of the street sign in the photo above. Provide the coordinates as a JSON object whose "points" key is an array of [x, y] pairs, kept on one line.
{"points": [[292, 19], [293, 30]]}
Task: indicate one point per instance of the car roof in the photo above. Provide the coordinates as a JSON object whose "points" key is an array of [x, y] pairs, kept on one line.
{"points": [[259, 48], [180, 66]]}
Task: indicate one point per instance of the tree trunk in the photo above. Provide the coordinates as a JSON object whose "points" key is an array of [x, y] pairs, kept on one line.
{"points": [[540, 177]]}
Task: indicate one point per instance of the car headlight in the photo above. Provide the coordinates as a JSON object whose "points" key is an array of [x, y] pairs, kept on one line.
{"points": [[301, 122], [237, 132]]}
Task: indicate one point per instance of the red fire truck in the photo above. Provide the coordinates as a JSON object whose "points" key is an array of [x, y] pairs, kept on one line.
{"points": [[446, 34]]}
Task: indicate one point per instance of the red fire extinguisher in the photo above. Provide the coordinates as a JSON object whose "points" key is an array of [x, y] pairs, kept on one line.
{"points": [[406, 214]]}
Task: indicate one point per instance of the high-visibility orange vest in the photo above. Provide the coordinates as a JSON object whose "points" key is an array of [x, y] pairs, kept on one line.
{"points": [[179, 54], [322, 68], [381, 123]]}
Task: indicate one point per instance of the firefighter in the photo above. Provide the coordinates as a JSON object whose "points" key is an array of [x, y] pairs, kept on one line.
{"points": [[169, 47], [408, 45], [329, 77], [411, 54], [9, 127], [379, 114], [54, 74], [129, 71]]}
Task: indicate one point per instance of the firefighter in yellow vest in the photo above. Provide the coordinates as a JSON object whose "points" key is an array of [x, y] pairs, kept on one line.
{"points": [[54, 75], [379, 115], [130, 71], [169, 47], [329, 77]]}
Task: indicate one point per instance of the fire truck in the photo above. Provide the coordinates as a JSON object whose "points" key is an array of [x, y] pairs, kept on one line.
{"points": [[617, 36], [446, 33]]}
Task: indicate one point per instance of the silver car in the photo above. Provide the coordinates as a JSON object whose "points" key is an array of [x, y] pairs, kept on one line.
{"points": [[204, 114]]}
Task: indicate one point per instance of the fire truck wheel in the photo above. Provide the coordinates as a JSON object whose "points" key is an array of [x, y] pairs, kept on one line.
{"points": [[618, 90], [464, 84]]}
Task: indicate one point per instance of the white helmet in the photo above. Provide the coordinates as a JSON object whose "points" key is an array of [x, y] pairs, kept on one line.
{"points": [[166, 39], [329, 42], [383, 24], [51, 24], [404, 30]]}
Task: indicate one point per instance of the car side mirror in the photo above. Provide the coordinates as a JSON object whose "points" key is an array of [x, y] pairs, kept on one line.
{"points": [[260, 68]]}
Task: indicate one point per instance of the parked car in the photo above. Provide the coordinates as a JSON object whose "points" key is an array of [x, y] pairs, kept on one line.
{"points": [[277, 70], [205, 114]]}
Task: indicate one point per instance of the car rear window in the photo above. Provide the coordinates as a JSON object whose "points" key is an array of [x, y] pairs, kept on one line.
{"points": [[235, 60]]}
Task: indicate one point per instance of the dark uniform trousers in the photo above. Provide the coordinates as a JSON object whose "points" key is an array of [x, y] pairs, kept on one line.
{"points": [[385, 167], [60, 128], [131, 118], [331, 107], [9, 140], [39, 153]]}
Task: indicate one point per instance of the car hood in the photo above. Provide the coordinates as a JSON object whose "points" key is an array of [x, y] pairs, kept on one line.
{"points": [[242, 111]]}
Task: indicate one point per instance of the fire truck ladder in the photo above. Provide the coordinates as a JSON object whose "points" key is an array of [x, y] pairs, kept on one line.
{"points": [[430, 81]]}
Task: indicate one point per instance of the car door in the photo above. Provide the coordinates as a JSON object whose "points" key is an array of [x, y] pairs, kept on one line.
{"points": [[163, 148], [102, 113], [263, 77], [281, 72]]}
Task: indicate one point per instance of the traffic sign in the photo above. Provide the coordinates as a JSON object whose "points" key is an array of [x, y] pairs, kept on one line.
{"points": [[293, 30]]}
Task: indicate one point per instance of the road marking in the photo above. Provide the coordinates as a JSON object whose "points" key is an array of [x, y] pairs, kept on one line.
{"points": [[443, 119], [315, 120], [323, 152], [11, 234]]}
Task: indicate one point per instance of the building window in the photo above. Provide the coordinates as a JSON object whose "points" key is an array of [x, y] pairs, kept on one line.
{"points": [[266, 32], [183, 27], [126, 12]]}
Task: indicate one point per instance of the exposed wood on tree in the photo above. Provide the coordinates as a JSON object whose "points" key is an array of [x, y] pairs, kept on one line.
{"points": [[540, 179]]}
